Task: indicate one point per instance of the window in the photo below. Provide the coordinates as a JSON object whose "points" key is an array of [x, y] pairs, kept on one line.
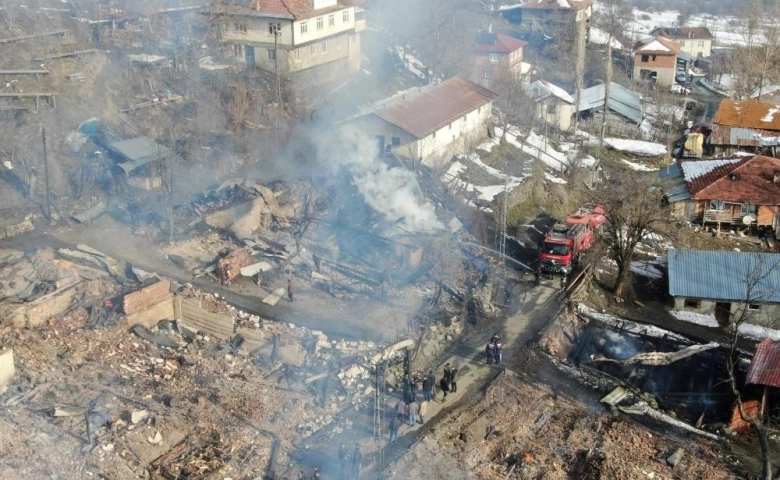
{"points": [[701, 44], [552, 109], [682, 44], [716, 204], [396, 141], [304, 27], [270, 54], [654, 57], [324, 46], [754, 306], [345, 16], [312, 50], [645, 58], [238, 50], [748, 208], [298, 55], [692, 303], [239, 27], [487, 74], [320, 23], [493, 58], [274, 28], [331, 20]]}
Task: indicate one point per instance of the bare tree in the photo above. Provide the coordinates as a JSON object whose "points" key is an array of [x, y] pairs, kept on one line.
{"points": [[579, 72], [757, 60], [10, 10], [634, 210], [514, 102], [613, 16], [757, 290]]}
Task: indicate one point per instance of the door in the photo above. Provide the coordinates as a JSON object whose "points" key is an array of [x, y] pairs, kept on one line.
{"points": [[380, 143], [249, 56], [723, 313]]}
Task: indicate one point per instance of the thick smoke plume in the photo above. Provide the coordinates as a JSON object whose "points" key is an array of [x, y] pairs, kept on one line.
{"points": [[392, 192]]}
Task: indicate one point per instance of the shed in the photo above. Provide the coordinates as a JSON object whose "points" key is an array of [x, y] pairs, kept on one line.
{"points": [[137, 152], [725, 283], [622, 101]]}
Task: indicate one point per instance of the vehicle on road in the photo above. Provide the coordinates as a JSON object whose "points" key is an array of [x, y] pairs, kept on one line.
{"points": [[564, 242], [680, 89]]}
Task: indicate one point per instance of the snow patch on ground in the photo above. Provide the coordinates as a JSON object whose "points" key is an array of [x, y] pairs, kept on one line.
{"points": [[597, 36], [627, 325], [697, 318], [554, 179], [637, 147], [639, 167], [758, 332], [536, 146], [485, 193]]}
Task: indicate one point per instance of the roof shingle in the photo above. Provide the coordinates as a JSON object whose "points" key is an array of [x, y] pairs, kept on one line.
{"points": [[683, 33], [436, 106], [752, 181]]}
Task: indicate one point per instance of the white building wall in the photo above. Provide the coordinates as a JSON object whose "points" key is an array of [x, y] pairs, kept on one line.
{"points": [[696, 47], [312, 33]]}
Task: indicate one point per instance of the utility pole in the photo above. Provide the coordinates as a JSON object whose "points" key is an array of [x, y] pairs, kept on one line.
{"points": [[277, 28], [579, 69], [502, 243], [46, 174]]}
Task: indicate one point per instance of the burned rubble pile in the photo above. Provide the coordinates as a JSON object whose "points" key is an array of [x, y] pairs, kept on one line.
{"points": [[527, 430], [168, 399], [645, 370]]}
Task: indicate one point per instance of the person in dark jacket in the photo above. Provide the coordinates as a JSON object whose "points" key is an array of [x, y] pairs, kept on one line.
{"points": [[490, 352], [427, 386], [395, 425], [453, 381], [357, 461], [498, 349], [290, 290], [445, 387]]}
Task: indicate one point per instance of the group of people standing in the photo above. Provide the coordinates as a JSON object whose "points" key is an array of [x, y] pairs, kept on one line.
{"points": [[494, 349]]}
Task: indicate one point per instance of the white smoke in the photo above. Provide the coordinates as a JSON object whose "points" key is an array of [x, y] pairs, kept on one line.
{"points": [[393, 192]]}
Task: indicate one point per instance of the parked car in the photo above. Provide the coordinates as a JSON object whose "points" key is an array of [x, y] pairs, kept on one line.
{"points": [[680, 89]]}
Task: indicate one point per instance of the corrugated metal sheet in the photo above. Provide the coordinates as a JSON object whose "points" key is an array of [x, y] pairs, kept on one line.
{"points": [[678, 193], [724, 275], [621, 100], [765, 367], [436, 106], [138, 152]]}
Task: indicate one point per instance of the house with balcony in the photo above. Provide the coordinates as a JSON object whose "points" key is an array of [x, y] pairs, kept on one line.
{"points": [[731, 192], [551, 18], [428, 124], [494, 52], [655, 60], [694, 41], [304, 40], [746, 126]]}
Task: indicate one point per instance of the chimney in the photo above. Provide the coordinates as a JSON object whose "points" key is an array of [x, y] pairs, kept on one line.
{"points": [[776, 177]]}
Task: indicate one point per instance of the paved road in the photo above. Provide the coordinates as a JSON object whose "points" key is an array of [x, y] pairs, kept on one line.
{"points": [[709, 100]]}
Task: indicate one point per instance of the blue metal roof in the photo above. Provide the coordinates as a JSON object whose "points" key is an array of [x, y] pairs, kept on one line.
{"points": [[724, 275], [621, 100]]}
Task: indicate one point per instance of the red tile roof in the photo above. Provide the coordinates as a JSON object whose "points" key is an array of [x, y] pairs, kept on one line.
{"points": [[436, 106], [671, 45], [756, 115], [684, 33], [292, 9], [765, 366], [500, 43], [752, 181], [700, 183]]}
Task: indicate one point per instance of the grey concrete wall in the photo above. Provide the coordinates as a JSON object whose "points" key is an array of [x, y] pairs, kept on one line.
{"points": [[215, 324], [152, 314], [767, 315]]}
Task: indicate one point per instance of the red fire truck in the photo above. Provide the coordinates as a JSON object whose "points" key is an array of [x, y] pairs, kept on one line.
{"points": [[562, 245]]}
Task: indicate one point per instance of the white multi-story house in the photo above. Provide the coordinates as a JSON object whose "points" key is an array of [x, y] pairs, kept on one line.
{"points": [[429, 124], [695, 41], [320, 38]]}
